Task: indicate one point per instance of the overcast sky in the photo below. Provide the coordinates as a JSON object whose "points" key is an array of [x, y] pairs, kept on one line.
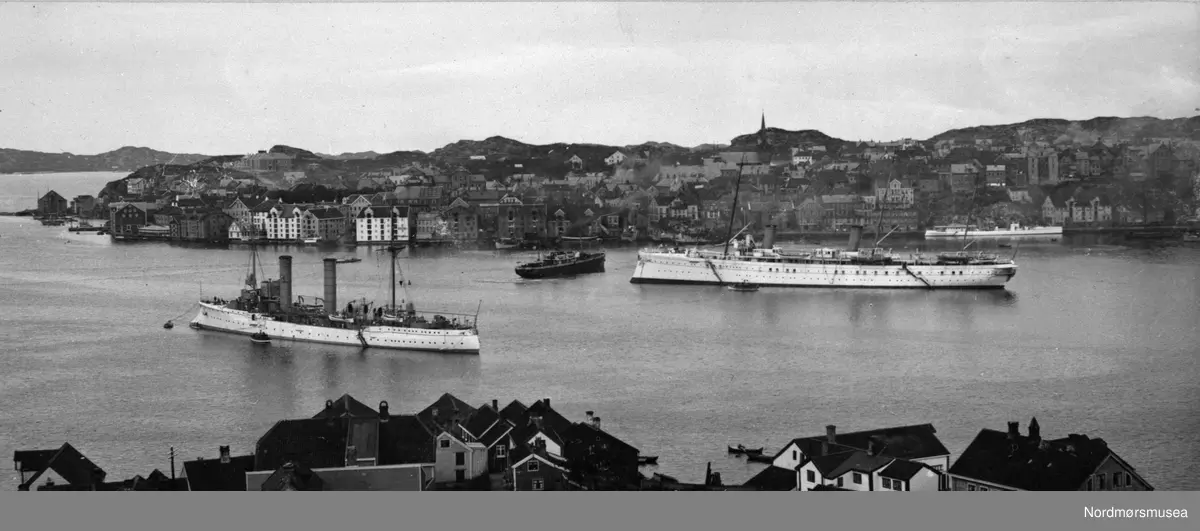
{"points": [[234, 78]]}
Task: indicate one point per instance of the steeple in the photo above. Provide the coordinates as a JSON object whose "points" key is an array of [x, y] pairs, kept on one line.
{"points": [[762, 132]]}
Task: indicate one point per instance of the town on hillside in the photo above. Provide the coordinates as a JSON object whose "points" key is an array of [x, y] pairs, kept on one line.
{"points": [[814, 186], [451, 445]]}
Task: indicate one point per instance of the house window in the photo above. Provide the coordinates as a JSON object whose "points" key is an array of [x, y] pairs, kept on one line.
{"points": [[983, 489], [1128, 479], [445, 443], [812, 476], [1116, 479], [538, 484], [793, 455], [839, 482], [887, 483], [857, 478], [1100, 482], [533, 466], [460, 458], [971, 487], [501, 451]]}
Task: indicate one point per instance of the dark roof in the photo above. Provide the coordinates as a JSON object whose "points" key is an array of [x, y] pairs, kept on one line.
{"points": [[32, 460], [212, 475], [514, 411], [1031, 464], [496, 433], [293, 476], [449, 410], [583, 431], [523, 451], [773, 478], [829, 487], [326, 213], [481, 421], [318, 443], [69, 464], [901, 469], [904, 442], [859, 461], [346, 406], [827, 464], [404, 439], [554, 425]]}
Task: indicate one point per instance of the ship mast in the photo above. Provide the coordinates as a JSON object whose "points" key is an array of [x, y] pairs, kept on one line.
{"points": [[737, 187]]}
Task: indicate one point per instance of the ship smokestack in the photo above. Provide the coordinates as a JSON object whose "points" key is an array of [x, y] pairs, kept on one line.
{"points": [[769, 237], [855, 237], [330, 286], [285, 283]]}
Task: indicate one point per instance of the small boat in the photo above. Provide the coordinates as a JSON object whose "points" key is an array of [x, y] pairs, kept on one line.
{"points": [[1005, 246], [340, 319], [194, 326], [504, 244], [169, 325], [739, 449], [562, 264], [260, 338], [647, 459], [310, 241], [348, 260], [759, 458], [743, 286]]}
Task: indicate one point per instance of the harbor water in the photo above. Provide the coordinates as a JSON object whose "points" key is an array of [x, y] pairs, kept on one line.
{"points": [[1092, 336]]}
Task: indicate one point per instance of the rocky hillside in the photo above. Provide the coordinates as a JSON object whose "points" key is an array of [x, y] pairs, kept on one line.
{"points": [[1084, 131], [783, 137], [128, 158]]}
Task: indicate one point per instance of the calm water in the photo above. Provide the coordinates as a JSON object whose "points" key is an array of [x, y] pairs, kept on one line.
{"points": [[1090, 337]]}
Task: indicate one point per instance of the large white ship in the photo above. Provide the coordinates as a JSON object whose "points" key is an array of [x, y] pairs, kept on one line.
{"points": [[1014, 230], [852, 268], [269, 309]]}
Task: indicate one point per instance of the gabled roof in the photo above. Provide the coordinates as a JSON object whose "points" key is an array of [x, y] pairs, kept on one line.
{"points": [[318, 442], [1027, 463], [514, 411], [346, 406], [902, 469], [445, 411], [68, 463], [213, 475], [523, 453], [479, 423], [773, 478], [404, 439], [860, 461], [904, 442], [582, 431], [293, 476], [326, 213]]}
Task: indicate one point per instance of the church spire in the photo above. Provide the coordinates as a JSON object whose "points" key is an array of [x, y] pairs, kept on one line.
{"points": [[762, 132]]}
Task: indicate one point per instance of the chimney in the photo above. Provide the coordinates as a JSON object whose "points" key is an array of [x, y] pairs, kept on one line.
{"points": [[1014, 431], [831, 434], [547, 401], [590, 416], [495, 405], [1035, 431], [855, 237], [328, 404], [224, 455], [383, 411], [330, 286], [769, 236], [872, 449], [285, 283], [596, 422], [351, 455]]}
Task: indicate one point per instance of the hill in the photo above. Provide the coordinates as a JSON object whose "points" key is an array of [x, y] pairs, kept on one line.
{"points": [[127, 158], [1083, 131], [783, 137]]}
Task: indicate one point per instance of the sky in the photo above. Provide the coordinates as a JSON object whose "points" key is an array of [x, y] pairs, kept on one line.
{"points": [[236, 78]]}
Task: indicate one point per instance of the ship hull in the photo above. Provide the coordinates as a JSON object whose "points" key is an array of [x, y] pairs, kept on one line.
{"points": [[589, 265], [671, 268], [1005, 233], [223, 319]]}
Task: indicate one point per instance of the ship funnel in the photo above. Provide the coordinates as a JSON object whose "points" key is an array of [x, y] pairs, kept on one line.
{"points": [[330, 286], [769, 237], [285, 283], [855, 237]]}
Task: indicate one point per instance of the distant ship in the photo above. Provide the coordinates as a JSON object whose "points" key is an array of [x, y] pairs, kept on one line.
{"points": [[1014, 230], [771, 266], [562, 264], [269, 308]]}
